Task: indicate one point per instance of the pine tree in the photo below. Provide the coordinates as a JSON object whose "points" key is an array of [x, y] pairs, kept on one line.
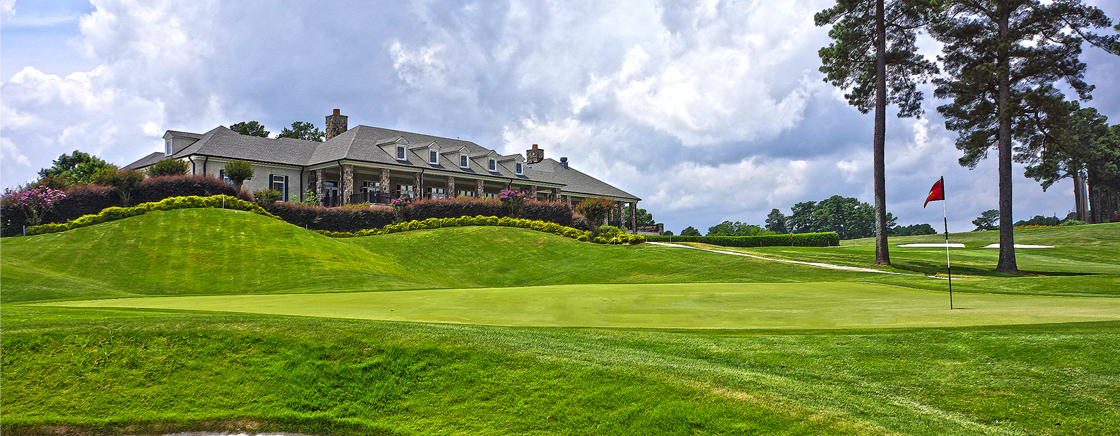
{"points": [[874, 57], [1001, 58]]}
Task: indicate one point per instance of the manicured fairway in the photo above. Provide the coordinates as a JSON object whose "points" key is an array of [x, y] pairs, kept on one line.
{"points": [[690, 306]]}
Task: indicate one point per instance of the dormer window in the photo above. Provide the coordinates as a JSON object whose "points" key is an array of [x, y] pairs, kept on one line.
{"points": [[463, 161], [520, 169], [493, 165], [400, 152], [433, 157], [167, 147]]}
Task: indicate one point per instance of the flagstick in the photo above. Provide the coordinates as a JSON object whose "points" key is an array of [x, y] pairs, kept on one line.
{"points": [[948, 266]]}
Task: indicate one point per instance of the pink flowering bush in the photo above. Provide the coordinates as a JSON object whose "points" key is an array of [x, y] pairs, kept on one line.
{"points": [[36, 201], [513, 200]]}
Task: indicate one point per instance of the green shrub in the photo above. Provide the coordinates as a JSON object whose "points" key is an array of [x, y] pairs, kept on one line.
{"points": [[168, 167], [115, 213], [1072, 223]]}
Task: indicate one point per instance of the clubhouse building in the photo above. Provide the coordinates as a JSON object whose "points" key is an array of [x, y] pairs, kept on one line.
{"points": [[375, 165]]}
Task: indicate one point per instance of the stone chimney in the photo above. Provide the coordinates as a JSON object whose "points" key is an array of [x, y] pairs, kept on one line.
{"points": [[535, 155], [564, 163], [336, 125]]}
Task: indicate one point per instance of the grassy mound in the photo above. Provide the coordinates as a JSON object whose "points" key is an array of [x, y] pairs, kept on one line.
{"points": [[221, 252]]}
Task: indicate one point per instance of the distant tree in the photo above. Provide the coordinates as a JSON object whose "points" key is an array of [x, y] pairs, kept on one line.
{"points": [[913, 230], [1080, 144], [1001, 59], [75, 168], [302, 130], [801, 221], [728, 228], [1039, 220], [873, 56], [239, 171], [690, 231], [124, 181], [668, 233], [986, 221], [250, 128], [644, 218], [776, 222], [168, 167]]}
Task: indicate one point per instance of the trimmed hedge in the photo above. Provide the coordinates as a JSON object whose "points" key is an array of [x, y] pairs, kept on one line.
{"points": [[335, 219], [116, 213], [158, 188], [549, 211], [826, 239], [537, 225], [453, 208]]}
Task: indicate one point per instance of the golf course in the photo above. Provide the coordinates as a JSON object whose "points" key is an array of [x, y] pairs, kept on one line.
{"points": [[226, 321]]}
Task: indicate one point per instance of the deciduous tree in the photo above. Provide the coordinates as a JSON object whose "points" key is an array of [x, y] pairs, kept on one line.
{"points": [[239, 171], [302, 130], [250, 128]]}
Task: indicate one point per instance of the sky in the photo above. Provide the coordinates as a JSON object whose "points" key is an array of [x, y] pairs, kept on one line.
{"points": [[706, 110]]}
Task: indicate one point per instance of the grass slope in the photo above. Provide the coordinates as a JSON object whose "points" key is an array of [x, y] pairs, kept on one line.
{"points": [[150, 371]]}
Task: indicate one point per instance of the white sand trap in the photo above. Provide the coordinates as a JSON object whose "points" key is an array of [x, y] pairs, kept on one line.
{"points": [[996, 245], [940, 245]]}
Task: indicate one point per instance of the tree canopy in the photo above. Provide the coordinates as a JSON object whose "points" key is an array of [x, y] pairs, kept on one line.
{"points": [[75, 168], [728, 228], [250, 128], [302, 130]]}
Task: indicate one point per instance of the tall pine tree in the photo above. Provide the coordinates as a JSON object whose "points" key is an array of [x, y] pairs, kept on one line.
{"points": [[1001, 58], [874, 57]]}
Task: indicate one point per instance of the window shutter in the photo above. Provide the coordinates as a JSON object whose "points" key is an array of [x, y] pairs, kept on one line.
{"points": [[271, 182], [285, 189]]}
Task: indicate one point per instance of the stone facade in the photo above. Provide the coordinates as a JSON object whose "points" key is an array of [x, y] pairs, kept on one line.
{"points": [[534, 155], [480, 189], [451, 187], [347, 183], [385, 187], [320, 187]]}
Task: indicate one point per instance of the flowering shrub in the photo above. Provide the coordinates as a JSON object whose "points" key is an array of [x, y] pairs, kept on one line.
{"points": [[400, 208], [513, 200], [594, 210], [36, 201]]}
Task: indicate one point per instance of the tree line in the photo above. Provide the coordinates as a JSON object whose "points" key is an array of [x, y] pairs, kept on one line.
{"points": [[847, 216]]}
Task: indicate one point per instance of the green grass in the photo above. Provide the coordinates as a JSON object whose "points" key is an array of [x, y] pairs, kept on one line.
{"points": [[755, 347], [671, 306]]}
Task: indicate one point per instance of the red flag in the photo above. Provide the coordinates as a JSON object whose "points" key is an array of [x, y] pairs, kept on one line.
{"points": [[937, 192]]}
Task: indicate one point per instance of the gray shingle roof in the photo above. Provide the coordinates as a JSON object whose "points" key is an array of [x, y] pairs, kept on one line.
{"points": [[146, 161], [573, 180], [377, 145]]}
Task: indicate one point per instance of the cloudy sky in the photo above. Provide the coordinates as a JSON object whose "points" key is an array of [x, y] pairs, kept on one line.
{"points": [[707, 110]]}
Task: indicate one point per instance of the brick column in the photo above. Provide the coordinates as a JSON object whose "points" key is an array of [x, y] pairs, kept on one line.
{"points": [[481, 191], [347, 183], [451, 187], [319, 187], [418, 180]]}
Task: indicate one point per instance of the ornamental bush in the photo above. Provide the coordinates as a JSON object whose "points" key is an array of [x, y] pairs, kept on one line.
{"points": [[168, 167], [35, 202], [158, 188]]}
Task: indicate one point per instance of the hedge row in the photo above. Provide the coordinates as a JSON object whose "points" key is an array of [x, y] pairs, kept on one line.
{"points": [[85, 200], [349, 219], [464, 221], [827, 239], [115, 213]]}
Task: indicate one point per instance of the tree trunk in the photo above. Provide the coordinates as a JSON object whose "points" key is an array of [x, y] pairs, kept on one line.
{"points": [[882, 253], [1079, 193], [1006, 219]]}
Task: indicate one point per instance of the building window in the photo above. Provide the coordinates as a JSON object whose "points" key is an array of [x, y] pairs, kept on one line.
{"points": [[440, 193], [222, 175], [520, 169], [400, 152], [463, 161], [493, 164], [277, 183], [167, 147], [433, 157]]}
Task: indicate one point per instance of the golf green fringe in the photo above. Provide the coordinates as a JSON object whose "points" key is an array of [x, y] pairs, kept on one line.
{"points": [[228, 202]]}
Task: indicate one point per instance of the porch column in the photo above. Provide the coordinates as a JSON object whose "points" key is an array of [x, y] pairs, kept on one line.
{"points": [[634, 217], [480, 188], [384, 182], [319, 187], [419, 181], [451, 187], [620, 218], [533, 191], [347, 183]]}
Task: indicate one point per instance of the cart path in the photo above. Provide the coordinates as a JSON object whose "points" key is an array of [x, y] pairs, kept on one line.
{"points": [[817, 264]]}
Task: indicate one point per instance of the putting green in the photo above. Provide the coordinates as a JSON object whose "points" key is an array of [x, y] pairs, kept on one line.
{"points": [[699, 305]]}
